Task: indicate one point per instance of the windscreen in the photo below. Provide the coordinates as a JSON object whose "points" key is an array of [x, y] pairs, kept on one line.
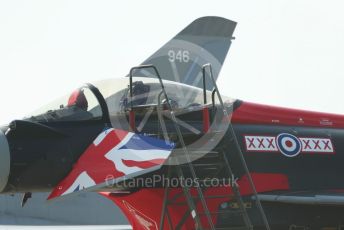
{"points": [[79, 105]]}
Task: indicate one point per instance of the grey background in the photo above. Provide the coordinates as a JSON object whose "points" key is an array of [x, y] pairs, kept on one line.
{"points": [[82, 209]]}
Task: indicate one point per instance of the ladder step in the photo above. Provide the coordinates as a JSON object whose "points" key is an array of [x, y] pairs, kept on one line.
{"points": [[196, 154], [216, 164], [234, 228], [217, 196], [231, 196], [230, 212]]}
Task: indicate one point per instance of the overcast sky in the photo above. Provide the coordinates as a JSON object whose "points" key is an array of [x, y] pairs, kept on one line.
{"points": [[286, 53]]}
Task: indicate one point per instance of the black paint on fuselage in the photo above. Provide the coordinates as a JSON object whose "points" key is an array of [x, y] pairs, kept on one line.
{"points": [[39, 162]]}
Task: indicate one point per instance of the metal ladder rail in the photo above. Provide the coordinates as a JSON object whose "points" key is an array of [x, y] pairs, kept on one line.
{"points": [[181, 140], [186, 190], [236, 191], [237, 146]]}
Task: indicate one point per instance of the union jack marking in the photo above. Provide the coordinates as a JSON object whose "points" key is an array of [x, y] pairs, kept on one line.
{"points": [[114, 152], [309, 145]]}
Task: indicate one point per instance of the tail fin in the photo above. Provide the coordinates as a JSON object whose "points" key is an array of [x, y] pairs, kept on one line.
{"points": [[205, 40]]}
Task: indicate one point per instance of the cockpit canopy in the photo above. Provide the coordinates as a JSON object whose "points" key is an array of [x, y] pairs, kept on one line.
{"points": [[82, 104]]}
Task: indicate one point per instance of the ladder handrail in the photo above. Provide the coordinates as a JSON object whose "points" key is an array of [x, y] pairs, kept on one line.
{"points": [[232, 133], [161, 120], [213, 97], [236, 191], [181, 140], [204, 88]]}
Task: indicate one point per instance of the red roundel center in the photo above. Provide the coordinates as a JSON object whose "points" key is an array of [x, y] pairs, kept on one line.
{"points": [[289, 143]]}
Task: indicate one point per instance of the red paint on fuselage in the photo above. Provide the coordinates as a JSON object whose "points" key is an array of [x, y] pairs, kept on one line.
{"points": [[258, 114], [143, 208]]}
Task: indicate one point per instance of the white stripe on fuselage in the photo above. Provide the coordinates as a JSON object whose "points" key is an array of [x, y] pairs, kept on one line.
{"points": [[117, 155]]}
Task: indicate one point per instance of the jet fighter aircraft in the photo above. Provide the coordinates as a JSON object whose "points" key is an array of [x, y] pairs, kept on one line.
{"points": [[173, 153]]}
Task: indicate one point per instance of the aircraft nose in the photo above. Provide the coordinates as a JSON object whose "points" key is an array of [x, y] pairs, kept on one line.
{"points": [[4, 161]]}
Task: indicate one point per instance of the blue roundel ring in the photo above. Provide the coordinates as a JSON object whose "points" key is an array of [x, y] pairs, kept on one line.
{"points": [[289, 145]]}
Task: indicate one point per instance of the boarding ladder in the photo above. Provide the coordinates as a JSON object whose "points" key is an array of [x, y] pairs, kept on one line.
{"points": [[203, 219]]}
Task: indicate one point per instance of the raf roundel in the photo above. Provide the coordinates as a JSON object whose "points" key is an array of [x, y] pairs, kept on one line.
{"points": [[288, 144]]}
